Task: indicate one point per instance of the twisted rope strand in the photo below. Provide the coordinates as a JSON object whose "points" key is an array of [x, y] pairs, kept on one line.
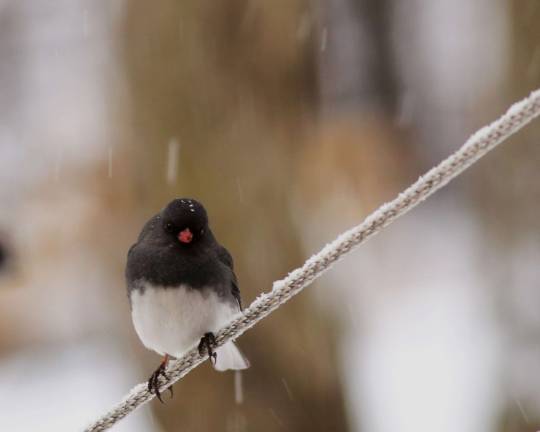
{"points": [[484, 140]]}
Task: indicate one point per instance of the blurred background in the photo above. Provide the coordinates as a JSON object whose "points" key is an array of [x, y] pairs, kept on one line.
{"points": [[291, 121]]}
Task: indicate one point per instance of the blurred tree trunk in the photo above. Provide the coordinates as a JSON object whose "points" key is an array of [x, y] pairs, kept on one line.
{"points": [[234, 84], [356, 61]]}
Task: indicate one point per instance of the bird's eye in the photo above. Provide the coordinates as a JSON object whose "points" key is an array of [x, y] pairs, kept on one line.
{"points": [[169, 227]]}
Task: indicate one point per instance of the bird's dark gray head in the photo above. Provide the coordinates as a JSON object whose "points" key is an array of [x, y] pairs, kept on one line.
{"points": [[185, 220]]}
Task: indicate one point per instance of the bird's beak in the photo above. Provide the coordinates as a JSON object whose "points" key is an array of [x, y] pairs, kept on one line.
{"points": [[185, 236]]}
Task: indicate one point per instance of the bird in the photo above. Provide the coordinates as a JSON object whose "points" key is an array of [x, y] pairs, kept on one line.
{"points": [[182, 288]]}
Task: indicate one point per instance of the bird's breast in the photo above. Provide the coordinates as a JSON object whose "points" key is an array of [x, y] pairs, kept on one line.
{"points": [[171, 320]]}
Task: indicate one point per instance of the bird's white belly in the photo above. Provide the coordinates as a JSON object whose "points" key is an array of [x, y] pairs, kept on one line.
{"points": [[172, 320]]}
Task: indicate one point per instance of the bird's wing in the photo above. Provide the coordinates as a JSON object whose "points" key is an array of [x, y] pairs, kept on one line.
{"points": [[147, 228], [226, 258], [131, 249]]}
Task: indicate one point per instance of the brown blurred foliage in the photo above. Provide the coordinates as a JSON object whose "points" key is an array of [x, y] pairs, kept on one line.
{"points": [[234, 84]]}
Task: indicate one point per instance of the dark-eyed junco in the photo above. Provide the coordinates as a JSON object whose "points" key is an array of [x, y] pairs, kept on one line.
{"points": [[182, 287]]}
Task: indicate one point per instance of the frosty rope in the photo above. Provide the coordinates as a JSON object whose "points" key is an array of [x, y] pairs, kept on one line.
{"points": [[484, 140]]}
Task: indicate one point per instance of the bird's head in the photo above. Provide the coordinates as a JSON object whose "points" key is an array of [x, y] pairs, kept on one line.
{"points": [[185, 220]]}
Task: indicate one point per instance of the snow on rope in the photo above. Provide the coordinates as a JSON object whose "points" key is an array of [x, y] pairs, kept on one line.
{"points": [[283, 290]]}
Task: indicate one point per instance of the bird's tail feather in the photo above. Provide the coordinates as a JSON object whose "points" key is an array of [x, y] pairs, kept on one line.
{"points": [[230, 357]]}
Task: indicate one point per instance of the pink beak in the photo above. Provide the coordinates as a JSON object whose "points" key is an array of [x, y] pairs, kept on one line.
{"points": [[185, 236]]}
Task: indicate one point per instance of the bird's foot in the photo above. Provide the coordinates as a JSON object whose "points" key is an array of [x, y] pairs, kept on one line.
{"points": [[206, 346], [153, 382]]}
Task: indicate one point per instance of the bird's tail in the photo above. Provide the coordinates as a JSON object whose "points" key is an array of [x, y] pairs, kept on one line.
{"points": [[230, 357]]}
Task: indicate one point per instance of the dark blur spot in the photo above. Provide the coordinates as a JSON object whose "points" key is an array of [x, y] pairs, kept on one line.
{"points": [[3, 256]]}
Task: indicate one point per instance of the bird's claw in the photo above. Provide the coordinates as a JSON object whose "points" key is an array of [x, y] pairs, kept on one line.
{"points": [[153, 382], [206, 346]]}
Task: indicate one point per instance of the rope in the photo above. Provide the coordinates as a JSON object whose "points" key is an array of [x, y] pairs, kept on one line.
{"points": [[484, 140]]}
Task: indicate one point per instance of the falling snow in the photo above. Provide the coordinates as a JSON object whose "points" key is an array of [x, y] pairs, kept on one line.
{"points": [[172, 161]]}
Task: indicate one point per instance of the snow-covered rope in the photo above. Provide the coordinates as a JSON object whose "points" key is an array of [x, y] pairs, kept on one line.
{"points": [[283, 290]]}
